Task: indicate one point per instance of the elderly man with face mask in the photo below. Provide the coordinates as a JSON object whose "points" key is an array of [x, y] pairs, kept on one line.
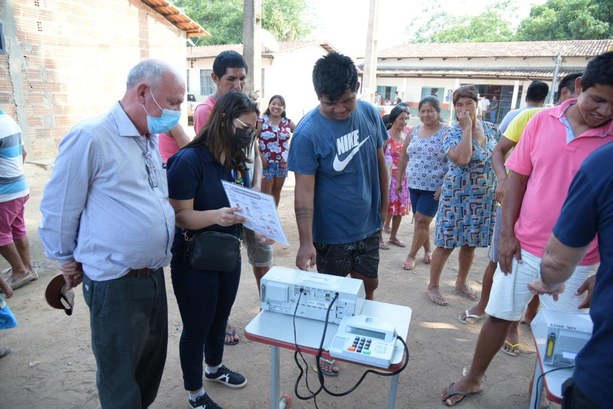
{"points": [[106, 219]]}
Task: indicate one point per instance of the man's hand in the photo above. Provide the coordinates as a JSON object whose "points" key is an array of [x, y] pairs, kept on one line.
{"points": [[5, 288], [587, 286], [306, 256], [73, 274], [509, 248], [537, 287], [502, 184]]}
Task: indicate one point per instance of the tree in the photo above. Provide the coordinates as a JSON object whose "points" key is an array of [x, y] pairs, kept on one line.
{"points": [[568, 20], [224, 19], [488, 26]]}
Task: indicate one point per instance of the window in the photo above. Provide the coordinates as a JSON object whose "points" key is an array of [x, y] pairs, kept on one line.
{"points": [[2, 49], [207, 86], [432, 92]]}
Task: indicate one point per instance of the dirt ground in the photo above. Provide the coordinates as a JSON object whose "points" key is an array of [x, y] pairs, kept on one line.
{"points": [[51, 364]]}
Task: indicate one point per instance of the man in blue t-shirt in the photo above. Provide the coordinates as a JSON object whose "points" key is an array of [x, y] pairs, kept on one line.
{"points": [[341, 178], [588, 211]]}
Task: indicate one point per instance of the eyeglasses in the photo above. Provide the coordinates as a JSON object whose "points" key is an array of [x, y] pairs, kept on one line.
{"points": [[250, 129], [152, 174]]}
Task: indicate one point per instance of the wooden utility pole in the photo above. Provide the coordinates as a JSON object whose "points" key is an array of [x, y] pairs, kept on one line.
{"points": [[370, 61], [252, 45]]}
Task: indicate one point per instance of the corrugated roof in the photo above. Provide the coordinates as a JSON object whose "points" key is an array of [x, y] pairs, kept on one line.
{"points": [[209, 51], [506, 73], [578, 48], [177, 18]]}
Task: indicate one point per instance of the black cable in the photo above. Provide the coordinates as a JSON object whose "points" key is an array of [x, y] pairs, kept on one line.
{"points": [[536, 403], [320, 375], [318, 356], [298, 352]]}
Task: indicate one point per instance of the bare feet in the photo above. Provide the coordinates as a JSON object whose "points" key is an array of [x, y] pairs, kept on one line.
{"points": [[435, 296], [456, 392], [467, 292]]}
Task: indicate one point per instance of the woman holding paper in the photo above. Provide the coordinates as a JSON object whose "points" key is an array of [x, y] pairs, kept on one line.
{"points": [[205, 295]]}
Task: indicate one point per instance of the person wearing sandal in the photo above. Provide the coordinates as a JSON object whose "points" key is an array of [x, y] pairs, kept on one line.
{"points": [[14, 193], [465, 216], [341, 177], [426, 169], [398, 193]]}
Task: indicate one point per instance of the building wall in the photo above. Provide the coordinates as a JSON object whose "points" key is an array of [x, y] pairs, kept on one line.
{"points": [[410, 88], [291, 75], [67, 60], [287, 73]]}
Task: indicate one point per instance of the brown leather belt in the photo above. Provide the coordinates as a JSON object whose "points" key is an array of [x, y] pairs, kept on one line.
{"points": [[141, 272]]}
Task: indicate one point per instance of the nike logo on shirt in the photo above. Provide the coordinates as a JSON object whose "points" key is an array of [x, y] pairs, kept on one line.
{"points": [[344, 143]]}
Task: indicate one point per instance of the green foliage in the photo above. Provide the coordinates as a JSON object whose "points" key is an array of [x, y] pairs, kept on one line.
{"points": [[568, 20], [488, 26], [553, 20], [224, 19]]}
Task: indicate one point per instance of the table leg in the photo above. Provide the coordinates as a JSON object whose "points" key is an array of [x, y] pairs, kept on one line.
{"points": [[535, 398], [391, 400], [274, 377]]}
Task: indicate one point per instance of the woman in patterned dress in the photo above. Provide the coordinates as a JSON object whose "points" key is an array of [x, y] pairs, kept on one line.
{"points": [[399, 193], [274, 131], [427, 166], [465, 216]]}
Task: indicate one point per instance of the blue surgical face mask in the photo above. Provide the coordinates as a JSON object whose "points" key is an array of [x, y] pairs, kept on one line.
{"points": [[164, 123]]}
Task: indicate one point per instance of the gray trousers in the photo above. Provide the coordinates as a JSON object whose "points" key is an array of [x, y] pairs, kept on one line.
{"points": [[129, 326]]}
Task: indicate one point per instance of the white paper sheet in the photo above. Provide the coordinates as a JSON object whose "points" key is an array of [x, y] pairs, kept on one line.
{"points": [[259, 209]]}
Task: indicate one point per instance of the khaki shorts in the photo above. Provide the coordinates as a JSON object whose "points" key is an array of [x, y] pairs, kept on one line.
{"points": [[510, 295], [258, 253]]}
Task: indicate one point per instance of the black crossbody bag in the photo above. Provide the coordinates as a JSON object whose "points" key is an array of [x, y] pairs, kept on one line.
{"points": [[213, 250]]}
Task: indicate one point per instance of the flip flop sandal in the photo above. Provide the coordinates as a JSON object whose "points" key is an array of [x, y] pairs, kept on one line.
{"points": [[15, 284], [408, 265], [427, 257], [231, 335], [468, 318], [383, 246], [511, 349], [397, 242], [329, 368], [452, 392]]}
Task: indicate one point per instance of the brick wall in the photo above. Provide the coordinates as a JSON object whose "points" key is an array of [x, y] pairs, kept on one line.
{"points": [[69, 60]]}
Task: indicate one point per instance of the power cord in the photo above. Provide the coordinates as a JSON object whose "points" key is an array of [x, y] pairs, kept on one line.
{"points": [[320, 375], [541, 376]]}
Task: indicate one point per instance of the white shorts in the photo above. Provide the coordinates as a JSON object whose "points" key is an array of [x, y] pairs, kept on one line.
{"points": [[510, 295]]}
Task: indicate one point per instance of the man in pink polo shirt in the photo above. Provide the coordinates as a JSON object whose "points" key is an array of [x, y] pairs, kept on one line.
{"points": [[542, 166]]}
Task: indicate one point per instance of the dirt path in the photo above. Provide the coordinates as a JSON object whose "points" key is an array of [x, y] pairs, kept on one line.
{"points": [[51, 364]]}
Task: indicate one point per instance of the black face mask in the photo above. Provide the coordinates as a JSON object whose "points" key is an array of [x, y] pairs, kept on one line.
{"points": [[243, 137]]}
